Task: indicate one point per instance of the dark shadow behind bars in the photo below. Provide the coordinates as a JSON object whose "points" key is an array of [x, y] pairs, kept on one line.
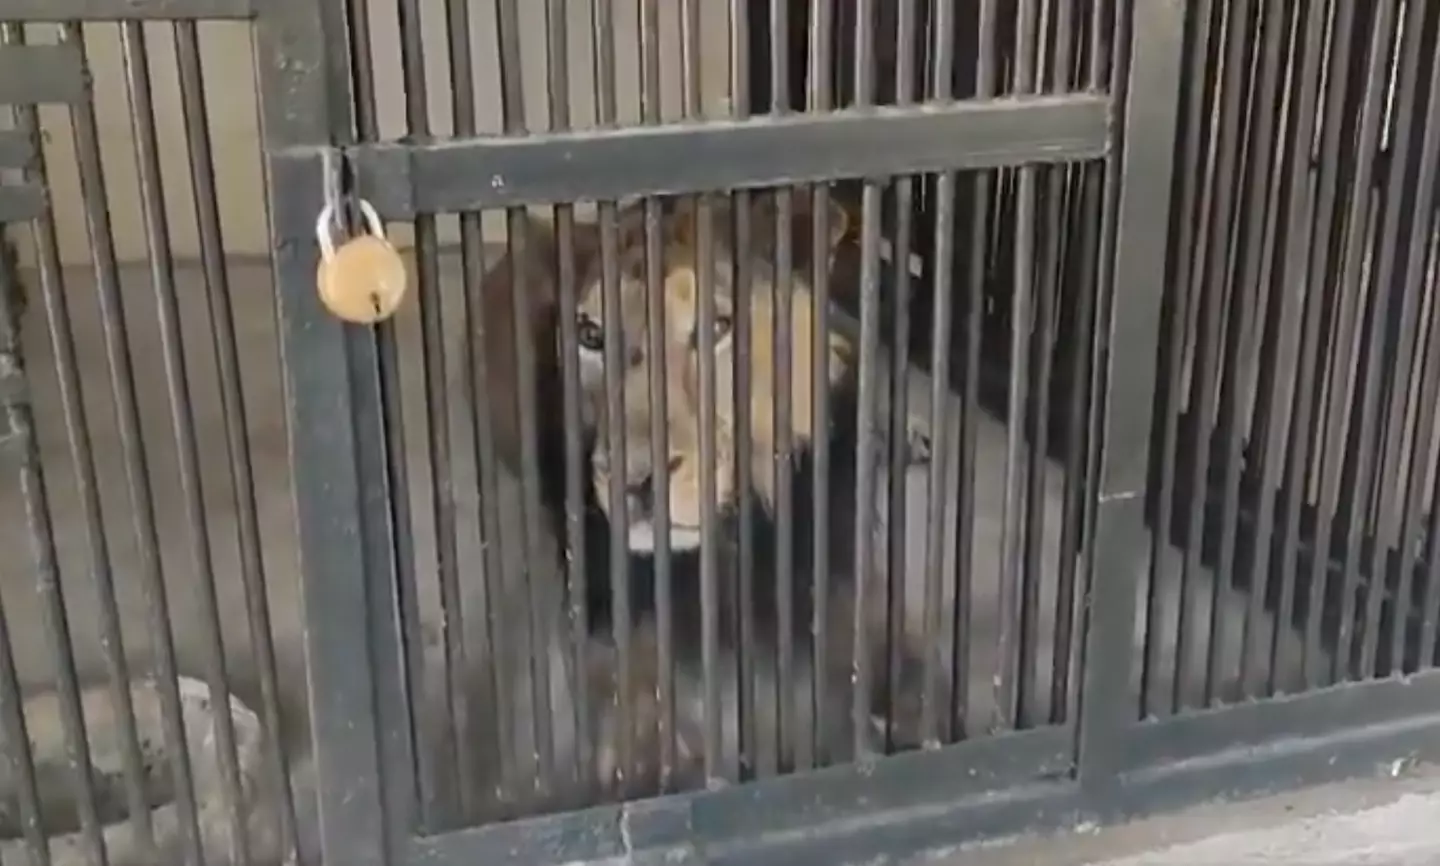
{"points": [[869, 303]]}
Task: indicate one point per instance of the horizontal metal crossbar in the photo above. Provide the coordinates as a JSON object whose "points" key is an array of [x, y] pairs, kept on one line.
{"points": [[40, 74], [737, 817], [16, 151], [126, 10], [403, 179], [1352, 706], [20, 202]]}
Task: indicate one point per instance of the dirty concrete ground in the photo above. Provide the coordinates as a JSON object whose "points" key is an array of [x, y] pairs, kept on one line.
{"points": [[1381, 821], [251, 290]]}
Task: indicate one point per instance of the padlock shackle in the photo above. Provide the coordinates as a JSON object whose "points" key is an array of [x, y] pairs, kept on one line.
{"points": [[326, 221]]}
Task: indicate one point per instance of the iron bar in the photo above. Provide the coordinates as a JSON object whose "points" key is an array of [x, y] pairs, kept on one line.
{"points": [[942, 18], [1390, 349], [1187, 217], [576, 466], [456, 751], [478, 321], [1008, 677], [37, 74], [1290, 396], [862, 676], [234, 412], [1343, 389], [402, 179], [903, 201], [392, 422], [1337, 129], [45, 11], [819, 88], [155, 217], [83, 460], [1417, 273], [742, 235], [787, 731], [539, 603]]}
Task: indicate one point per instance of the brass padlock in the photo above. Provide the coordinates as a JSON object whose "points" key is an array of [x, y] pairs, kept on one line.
{"points": [[363, 280]]}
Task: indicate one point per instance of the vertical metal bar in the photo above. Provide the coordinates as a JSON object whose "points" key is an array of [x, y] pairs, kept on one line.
{"points": [[705, 287], [1337, 129], [576, 473], [122, 383], [539, 605], [1085, 251], [481, 386], [603, 35], [336, 458], [1415, 273], [1043, 345], [18, 420], [1097, 182], [942, 22], [17, 755], [1235, 275], [865, 494], [1343, 388], [1256, 281], [660, 463], [982, 192], [392, 431], [819, 89], [1112, 71], [456, 745], [743, 243], [655, 272], [1381, 364], [49, 589], [1188, 222], [1145, 159], [897, 576], [1211, 285], [1013, 531], [1289, 389], [83, 461], [709, 516], [233, 411], [162, 273], [786, 733]]}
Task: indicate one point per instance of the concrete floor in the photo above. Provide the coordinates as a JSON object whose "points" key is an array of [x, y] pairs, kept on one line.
{"points": [[1384, 821], [252, 292]]}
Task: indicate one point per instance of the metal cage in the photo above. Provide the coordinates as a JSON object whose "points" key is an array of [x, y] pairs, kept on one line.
{"points": [[845, 431]]}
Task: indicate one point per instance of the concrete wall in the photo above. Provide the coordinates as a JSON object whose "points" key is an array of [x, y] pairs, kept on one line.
{"points": [[230, 85]]}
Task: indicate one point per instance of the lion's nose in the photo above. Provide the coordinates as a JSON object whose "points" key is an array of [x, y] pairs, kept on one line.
{"points": [[641, 490], [641, 484]]}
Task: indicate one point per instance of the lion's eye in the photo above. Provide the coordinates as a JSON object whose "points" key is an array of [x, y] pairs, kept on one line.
{"points": [[590, 335]]}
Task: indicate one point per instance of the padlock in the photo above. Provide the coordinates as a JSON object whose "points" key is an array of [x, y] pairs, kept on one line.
{"points": [[363, 280]]}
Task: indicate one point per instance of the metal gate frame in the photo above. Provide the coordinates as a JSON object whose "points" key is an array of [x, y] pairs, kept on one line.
{"points": [[900, 804]]}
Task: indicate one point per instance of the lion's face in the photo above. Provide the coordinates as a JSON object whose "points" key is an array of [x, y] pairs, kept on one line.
{"points": [[678, 355]]}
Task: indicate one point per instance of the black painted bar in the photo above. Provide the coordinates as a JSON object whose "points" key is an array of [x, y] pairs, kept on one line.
{"points": [[402, 179], [39, 74], [129, 10], [1142, 223]]}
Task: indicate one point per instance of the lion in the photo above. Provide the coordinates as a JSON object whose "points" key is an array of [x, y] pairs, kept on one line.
{"points": [[683, 422]]}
